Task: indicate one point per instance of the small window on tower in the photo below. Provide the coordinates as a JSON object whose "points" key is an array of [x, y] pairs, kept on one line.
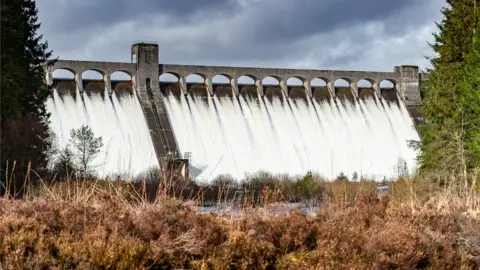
{"points": [[134, 58], [148, 57]]}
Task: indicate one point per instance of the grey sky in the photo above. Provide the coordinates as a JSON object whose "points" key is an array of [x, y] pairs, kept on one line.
{"points": [[319, 34]]}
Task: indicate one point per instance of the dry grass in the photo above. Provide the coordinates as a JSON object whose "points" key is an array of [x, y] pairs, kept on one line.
{"points": [[108, 225]]}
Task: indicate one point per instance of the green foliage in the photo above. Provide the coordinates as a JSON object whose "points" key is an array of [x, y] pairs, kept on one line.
{"points": [[65, 165], [24, 56], [444, 95], [467, 113], [341, 177], [354, 176], [85, 146], [25, 137], [306, 187]]}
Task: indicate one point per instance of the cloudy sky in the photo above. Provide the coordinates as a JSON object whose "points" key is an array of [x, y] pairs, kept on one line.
{"points": [[318, 34]]}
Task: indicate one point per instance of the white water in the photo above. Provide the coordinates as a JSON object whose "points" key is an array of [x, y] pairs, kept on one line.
{"points": [[237, 137], [127, 148]]}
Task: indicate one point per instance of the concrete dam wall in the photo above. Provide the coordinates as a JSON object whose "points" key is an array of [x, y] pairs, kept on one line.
{"points": [[282, 121]]}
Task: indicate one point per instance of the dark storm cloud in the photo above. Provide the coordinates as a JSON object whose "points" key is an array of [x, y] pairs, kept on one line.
{"points": [[74, 15], [274, 21], [350, 34]]}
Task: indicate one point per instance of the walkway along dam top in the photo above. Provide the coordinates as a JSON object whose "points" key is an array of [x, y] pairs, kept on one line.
{"points": [[145, 71]]}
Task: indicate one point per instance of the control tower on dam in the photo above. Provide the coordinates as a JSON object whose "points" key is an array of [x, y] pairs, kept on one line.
{"points": [[243, 123]]}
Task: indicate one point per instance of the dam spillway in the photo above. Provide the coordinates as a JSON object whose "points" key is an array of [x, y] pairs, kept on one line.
{"points": [[240, 135], [236, 129], [117, 119]]}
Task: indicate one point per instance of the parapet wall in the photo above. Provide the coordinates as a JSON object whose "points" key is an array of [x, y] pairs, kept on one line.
{"points": [[405, 78]]}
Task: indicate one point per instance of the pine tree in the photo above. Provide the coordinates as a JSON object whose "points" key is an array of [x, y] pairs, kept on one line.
{"points": [[442, 95], [85, 146], [23, 56], [467, 113], [24, 128]]}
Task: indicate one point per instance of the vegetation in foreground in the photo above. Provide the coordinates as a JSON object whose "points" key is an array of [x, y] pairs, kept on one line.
{"points": [[108, 225]]}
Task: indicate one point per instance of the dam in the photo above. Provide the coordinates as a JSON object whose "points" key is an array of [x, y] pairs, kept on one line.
{"points": [[238, 120]]}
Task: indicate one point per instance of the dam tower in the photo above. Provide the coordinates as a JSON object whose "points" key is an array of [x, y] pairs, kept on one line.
{"points": [[145, 56]]}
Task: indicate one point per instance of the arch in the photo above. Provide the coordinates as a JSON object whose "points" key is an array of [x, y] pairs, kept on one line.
{"points": [[220, 79], [342, 82], [121, 82], [365, 89], [247, 87], [92, 74], [246, 79], [120, 75], [168, 78], [388, 84], [195, 78], [319, 82], [295, 81], [343, 91], [63, 73], [271, 80], [388, 90], [365, 83]]}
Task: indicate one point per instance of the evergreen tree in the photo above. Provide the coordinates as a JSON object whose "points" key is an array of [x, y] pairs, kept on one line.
{"points": [[467, 113], [85, 146], [65, 166], [24, 130], [23, 56], [442, 94]]}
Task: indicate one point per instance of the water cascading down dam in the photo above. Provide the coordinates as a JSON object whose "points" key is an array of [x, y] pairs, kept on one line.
{"points": [[242, 125]]}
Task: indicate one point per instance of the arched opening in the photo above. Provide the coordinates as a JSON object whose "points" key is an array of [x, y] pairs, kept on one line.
{"points": [[63, 74], [247, 87], [64, 81], [120, 76], [121, 83], [271, 88], [92, 75], [269, 80], [196, 85], [296, 89], [168, 78], [221, 86], [387, 84], [365, 83], [343, 90], [195, 79], [318, 82], [365, 89], [220, 79], [93, 82], [341, 83], [294, 81], [320, 90], [169, 84], [245, 80], [389, 91]]}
